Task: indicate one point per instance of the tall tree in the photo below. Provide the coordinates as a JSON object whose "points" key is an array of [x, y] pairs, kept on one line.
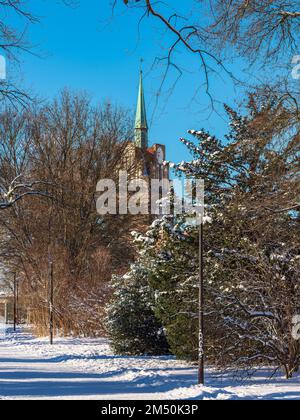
{"points": [[263, 33], [251, 252], [71, 145]]}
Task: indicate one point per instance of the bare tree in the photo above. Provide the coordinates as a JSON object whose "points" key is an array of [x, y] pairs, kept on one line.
{"points": [[18, 190], [260, 29], [264, 33], [70, 145], [185, 34], [13, 41]]}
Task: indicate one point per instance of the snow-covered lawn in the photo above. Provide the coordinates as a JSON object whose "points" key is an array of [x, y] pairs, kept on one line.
{"points": [[87, 369]]}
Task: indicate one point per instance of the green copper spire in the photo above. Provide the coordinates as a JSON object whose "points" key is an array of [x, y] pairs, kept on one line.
{"points": [[141, 125]]}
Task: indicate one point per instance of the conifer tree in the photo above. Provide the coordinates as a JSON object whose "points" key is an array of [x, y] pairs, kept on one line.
{"points": [[251, 247], [132, 325]]}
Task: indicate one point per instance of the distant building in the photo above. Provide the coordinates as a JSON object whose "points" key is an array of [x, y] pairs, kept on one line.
{"points": [[147, 161]]}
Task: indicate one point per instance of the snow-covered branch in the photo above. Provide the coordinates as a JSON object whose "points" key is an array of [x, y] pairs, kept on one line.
{"points": [[18, 190], [287, 14]]}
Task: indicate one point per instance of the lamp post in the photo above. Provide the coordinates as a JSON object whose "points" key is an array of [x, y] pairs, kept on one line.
{"points": [[51, 295], [15, 302], [201, 376]]}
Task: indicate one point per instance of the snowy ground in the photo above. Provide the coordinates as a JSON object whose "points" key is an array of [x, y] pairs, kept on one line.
{"points": [[87, 369]]}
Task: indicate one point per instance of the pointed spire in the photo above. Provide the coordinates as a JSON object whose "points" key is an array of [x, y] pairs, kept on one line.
{"points": [[141, 125]]}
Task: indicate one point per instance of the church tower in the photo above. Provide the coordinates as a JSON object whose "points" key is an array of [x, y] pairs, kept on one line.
{"points": [[142, 160], [141, 125]]}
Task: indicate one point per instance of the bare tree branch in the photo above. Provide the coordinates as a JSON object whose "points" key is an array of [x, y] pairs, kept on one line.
{"points": [[19, 190]]}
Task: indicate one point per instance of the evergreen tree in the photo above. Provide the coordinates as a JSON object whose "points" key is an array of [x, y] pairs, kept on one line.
{"points": [[131, 322], [173, 275], [251, 247], [159, 290]]}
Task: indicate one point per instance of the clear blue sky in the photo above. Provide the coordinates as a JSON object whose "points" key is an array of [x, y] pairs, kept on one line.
{"points": [[83, 49]]}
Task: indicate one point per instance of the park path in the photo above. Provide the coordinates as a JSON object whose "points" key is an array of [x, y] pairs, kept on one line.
{"points": [[87, 369], [79, 369]]}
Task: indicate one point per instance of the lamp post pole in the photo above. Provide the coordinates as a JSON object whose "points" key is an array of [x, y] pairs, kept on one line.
{"points": [[15, 302], [201, 377], [51, 295]]}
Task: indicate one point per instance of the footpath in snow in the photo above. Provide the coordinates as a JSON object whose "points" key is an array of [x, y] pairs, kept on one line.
{"points": [[87, 369]]}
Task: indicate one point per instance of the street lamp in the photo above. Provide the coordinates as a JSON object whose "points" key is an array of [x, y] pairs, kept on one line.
{"points": [[201, 377], [51, 302], [15, 302]]}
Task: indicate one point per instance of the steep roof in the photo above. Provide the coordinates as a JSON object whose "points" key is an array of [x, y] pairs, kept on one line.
{"points": [[141, 115]]}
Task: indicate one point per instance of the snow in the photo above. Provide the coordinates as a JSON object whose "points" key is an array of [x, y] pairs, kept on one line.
{"points": [[87, 369]]}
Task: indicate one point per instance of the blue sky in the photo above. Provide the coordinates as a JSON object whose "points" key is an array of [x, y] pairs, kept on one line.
{"points": [[82, 48]]}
